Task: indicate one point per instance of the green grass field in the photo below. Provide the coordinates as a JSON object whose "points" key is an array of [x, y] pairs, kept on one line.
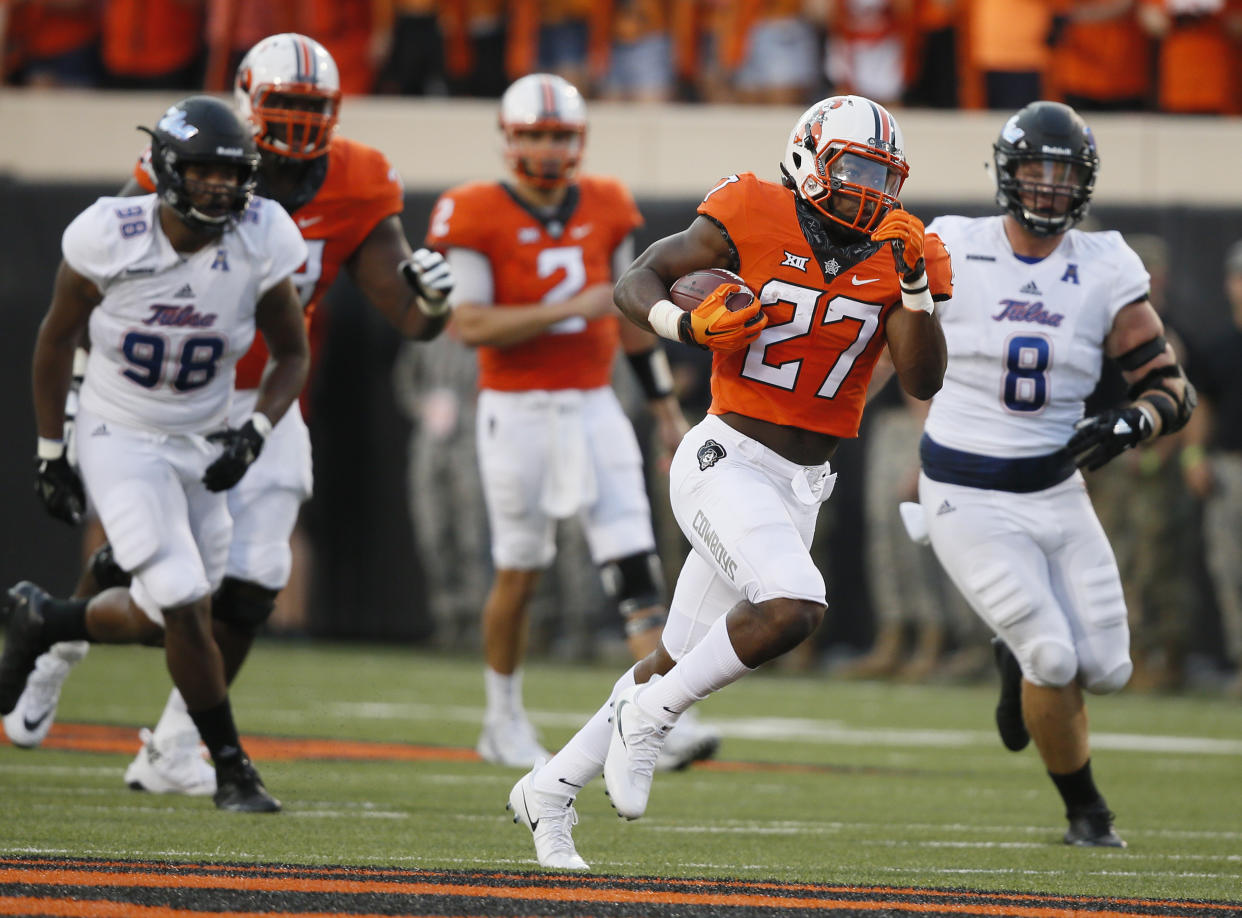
{"points": [[826, 782]]}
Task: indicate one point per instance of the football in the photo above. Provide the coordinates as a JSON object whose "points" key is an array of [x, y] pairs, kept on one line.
{"points": [[691, 289]]}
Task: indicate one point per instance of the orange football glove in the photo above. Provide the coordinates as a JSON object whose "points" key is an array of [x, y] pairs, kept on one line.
{"points": [[711, 325], [904, 232]]}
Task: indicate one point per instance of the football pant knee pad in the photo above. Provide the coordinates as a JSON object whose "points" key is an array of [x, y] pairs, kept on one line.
{"points": [[261, 562], [243, 604], [1106, 644], [1050, 663], [634, 583], [173, 582], [105, 570], [1114, 680]]}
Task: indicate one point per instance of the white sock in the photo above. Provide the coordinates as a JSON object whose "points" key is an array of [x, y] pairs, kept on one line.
{"points": [[504, 693], [176, 720], [708, 667], [582, 758]]}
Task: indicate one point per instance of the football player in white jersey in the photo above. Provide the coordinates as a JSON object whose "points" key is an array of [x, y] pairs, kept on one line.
{"points": [[172, 287], [1037, 306]]}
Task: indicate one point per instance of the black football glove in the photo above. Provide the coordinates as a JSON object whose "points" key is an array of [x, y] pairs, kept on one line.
{"points": [[242, 446], [60, 489], [1102, 437]]}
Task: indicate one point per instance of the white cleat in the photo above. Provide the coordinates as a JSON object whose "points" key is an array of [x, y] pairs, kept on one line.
{"points": [[173, 765], [632, 753], [27, 725], [510, 741], [550, 818], [690, 741]]}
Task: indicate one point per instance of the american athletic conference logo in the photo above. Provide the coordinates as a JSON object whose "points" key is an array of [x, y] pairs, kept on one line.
{"points": [[709, 454]]}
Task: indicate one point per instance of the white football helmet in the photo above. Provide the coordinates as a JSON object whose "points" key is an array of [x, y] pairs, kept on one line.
{"points": [[846, 158], [287, 86], [544, 104]]}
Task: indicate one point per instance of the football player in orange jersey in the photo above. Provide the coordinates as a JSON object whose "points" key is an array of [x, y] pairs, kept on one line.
{"points": [[535, 260], [346, 199], [840, 271]]}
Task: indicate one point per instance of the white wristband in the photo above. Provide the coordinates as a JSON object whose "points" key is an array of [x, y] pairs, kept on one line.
{"points": [[433, 310], [916, 296], [80, 357], [262, 423], [50, 449], [665, 319]]}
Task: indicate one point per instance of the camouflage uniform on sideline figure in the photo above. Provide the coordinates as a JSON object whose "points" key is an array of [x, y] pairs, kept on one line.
{"points": [[1212, 459], [435, 387], [1149, 516], [912, 600]]}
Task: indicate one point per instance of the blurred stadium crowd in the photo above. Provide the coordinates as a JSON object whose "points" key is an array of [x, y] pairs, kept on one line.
{"points": [[1176, 56]]}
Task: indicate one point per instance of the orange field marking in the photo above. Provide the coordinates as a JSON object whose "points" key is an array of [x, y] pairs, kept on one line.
{"points": [[124, 741], [539, 889]]}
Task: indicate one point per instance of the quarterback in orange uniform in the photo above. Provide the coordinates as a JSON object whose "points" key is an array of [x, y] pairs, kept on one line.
{"points": [[535, 260], [840, 271], [346, 200]]}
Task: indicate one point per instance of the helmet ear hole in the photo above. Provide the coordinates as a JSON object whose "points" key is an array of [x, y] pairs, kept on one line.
{"points": [[797, 158]]}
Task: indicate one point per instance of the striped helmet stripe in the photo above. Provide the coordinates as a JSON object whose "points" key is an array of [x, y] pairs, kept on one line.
{"points": [[306, 61], [883, 123], [548, 100]]}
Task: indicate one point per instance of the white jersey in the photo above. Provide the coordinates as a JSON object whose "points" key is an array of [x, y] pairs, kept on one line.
{"points": [[171, 327], [1025, 341]]}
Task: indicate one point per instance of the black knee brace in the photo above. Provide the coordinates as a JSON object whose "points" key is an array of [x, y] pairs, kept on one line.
{"points": [[243, 604], [635, 582], [105, 570]]}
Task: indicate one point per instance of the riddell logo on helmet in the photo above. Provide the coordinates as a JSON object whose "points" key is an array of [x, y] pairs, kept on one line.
{"points": [[886, 145], [229, 151], [1056, 151]]}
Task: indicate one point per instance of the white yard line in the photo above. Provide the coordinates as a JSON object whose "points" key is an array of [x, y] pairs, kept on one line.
{"points": [[809, 730]]}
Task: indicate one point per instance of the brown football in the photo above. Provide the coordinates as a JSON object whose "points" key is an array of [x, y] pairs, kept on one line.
{"points": [[691, 289]]}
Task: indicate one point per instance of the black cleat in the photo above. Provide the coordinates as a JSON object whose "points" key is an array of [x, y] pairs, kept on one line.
{"points": [[1009, 722], [22, 608], [239, 789], [1092, 828]]}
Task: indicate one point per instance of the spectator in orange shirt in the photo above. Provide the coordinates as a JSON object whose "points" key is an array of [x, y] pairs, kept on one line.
{"points": [[1200, 42], [1005, 52], [770, 50], [637, 64], [867, 45], [52, 43], [415, 65], [1101, 56], [554, 36], [932, 54], [153, 44]]}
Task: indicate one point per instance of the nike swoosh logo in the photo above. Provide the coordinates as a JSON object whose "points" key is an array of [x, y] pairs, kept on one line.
{"points": [[858, 283], [570, 783], [308, 221], [534, 823], [33, 724], [617, 719]]}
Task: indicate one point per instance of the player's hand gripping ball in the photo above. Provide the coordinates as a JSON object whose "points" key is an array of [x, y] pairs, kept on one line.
{"points": [[722, 313]]}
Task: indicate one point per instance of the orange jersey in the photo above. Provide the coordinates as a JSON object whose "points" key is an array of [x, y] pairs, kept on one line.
{"points": [[535, 261], [360, 189], [826, 306]]}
